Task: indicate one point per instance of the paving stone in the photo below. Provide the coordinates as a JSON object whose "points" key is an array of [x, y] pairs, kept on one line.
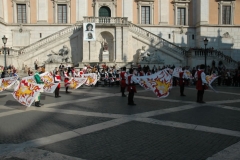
{"points": [[207, 116], [232, 104], [118, 105], [30, 125], [136, 140]]}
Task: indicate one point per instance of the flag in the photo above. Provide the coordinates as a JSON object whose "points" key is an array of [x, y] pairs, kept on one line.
{"points": [[91, 78], [6, 83], [210, 79], [176, 71], [189, 74], [76, 82], [160, 83], [26, 92]]}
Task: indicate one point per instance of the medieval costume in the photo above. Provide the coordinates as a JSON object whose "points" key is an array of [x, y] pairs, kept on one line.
{"points": [[66, 80], [38, 81], [123, 76], [57, 79], [201, 83], [131, 88], [182, 80]]}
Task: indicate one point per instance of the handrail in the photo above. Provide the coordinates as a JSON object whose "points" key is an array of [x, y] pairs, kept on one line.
{"points": [[212, 52], [156, 38], [49, 38]]}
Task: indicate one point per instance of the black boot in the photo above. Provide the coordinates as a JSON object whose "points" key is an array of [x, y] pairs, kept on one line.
{"points": [[37, 104]]}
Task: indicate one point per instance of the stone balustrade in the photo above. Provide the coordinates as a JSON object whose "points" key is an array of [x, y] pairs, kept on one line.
{"points": [[213, 53], [110, 20], [49, 38], [156, 39]]}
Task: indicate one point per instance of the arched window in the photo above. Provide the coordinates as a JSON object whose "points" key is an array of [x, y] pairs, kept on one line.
{"points": [[104, 12]]}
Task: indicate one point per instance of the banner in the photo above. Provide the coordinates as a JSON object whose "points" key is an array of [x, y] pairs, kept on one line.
{"points": [[210, 79], [26, 92], [49, 85], [47, 78], [160, 83], [189, 74], [76, 82], [89, 32], [6, 83], [176, 71], [91, 78]]}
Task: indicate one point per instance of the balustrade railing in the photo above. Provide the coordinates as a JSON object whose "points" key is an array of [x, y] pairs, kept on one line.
{"points": [[157, 40], [105, 20], [213, 53], [50, 38]]}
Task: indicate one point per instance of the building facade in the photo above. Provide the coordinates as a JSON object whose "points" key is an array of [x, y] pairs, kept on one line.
{"points": [[28, 24]]}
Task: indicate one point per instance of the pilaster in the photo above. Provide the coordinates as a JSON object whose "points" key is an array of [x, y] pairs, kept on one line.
{"points": [[126, 54], [81, 9], [119, 44], [163, 12], [1, 10], [42, 11]]}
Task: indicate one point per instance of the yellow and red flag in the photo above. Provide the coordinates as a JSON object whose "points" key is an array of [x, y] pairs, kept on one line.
{"points": [[76, 82], [91, 78], [26, 92], [160, 83], [6, 83]]}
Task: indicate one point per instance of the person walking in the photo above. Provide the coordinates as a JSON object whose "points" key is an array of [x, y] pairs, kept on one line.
{"points": [[57, 79], [66, 80], [123, 76], [201, 83], [182, 79], [131, 88], [39, 81]]}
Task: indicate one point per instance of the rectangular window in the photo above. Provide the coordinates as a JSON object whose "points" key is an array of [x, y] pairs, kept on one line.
{"points": [[62, 13], [145, 17], [226, 15], [181, 16], [21, 13]]}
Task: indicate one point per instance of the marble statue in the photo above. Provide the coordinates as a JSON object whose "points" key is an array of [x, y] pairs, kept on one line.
{"points": [[60, 57], [147, 57]]}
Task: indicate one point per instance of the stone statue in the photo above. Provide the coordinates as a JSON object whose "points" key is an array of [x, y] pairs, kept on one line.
{"points": [[105, 45], [60, 57], [147, 57], [143, 54]]}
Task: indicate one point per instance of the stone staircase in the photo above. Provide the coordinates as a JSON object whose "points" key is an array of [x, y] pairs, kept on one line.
{"points": [[50, 39], [139, 33], [158, 42]]}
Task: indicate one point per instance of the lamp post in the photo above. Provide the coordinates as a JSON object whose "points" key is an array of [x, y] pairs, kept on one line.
{"points": [[4, 39], [205, 43]]}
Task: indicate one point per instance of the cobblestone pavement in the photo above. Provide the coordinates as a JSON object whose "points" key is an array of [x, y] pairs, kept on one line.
{"points": [[96, 123]]}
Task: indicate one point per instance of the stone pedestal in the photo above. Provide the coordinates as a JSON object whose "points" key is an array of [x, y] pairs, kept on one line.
{"points": [[105, 56]]}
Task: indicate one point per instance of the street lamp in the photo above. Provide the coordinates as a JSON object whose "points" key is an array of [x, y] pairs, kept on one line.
{"points": [[4, 39], [205, 43]]}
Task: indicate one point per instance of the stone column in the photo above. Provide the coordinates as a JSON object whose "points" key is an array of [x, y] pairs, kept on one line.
{"points": [[1, 10], [5, 11], [126, 54], [81, 9], [163, 12], [42, 11], [204, 12], [86, 50], [93, 53], [127, 9], [118, 41]]}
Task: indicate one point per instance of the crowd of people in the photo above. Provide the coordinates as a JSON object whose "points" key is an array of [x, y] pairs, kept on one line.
{"points": [[9, 71], [113, 75]]}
